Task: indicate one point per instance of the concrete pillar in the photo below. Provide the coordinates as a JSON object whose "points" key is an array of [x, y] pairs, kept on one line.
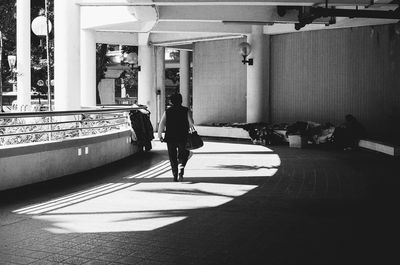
{"points": [[184, 77], [67, 91], [23, 53], [88, 66], [146, 84], [160, 81], [258, 77]]}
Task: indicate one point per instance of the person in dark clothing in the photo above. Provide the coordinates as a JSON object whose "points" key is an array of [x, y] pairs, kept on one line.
{"points": [[176, 120], [348, 134]]}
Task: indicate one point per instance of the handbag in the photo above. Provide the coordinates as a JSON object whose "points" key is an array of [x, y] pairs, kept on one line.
{"points": [[194, 141]]}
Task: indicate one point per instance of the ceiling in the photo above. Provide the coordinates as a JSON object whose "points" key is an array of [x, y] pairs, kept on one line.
{"points": [[181, 22]]}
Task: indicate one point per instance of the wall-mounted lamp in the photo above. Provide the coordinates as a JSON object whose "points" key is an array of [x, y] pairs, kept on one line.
{"points": [[245, 49]]}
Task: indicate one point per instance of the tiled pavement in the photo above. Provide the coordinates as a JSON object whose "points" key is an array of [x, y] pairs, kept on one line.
{"points": [[239, 204]]}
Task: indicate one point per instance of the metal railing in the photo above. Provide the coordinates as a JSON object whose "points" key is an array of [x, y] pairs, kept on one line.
{"points": [[28, 127]]}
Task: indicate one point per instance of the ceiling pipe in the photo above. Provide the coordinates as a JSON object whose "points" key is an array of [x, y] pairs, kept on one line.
{"points": [[352, 13], [317, 12], [307, 15]]}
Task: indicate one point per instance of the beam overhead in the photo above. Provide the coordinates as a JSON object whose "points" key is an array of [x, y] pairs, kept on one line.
{"points": [[226, 2], [221, 17], [200, 27], [163, 39], [238, 14], [216, 13]]}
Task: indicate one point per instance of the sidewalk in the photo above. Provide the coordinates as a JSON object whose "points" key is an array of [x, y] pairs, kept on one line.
{"points": [[238, 204]]}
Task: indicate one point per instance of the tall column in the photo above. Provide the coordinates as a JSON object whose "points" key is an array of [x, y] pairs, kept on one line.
{"points": [[160, 81], [67, 91], [258, 77], [184, 69], [146, 86], [23, 53], [88, 66]]}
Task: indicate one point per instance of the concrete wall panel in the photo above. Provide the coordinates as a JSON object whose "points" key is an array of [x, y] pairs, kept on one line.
{"points": [[323, 75], [318, 75], [219, 82]]}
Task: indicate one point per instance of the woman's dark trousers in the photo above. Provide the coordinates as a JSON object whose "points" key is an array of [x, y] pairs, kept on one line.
{"points": [[178, 157]]}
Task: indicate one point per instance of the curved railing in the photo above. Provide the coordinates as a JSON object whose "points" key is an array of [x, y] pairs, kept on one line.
{"points": [[28, 127]]}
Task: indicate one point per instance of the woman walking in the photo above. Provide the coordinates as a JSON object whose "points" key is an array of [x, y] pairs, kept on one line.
{"points": [[176, 122]]}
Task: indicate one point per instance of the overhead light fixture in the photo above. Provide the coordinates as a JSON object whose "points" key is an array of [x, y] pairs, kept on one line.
{"points": [[245, 50]]}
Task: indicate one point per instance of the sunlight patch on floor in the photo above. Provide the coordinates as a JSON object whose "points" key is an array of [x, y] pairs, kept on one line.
{"points": [[220, 147], [236, 165], [149, 202], [221, 160], [106, 223], [140, 207]]}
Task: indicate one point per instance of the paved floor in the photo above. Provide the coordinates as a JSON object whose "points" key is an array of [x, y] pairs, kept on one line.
{"points": [[239, 204]]}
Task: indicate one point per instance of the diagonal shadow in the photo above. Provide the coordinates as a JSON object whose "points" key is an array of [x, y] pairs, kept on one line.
{"points": [[50, 206], [243, 167], [196, 192]]}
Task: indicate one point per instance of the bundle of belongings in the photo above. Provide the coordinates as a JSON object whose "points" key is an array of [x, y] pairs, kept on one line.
{"points": [[143, 132], [313, 132], [266, 134], [344, 136]]}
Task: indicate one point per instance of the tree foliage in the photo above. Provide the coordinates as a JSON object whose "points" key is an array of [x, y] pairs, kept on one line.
{"points": [[130, 76], [8, 25], [8, 30]]}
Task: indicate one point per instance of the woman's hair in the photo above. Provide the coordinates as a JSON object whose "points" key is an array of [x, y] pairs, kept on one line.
{"points": [[176, 99]]}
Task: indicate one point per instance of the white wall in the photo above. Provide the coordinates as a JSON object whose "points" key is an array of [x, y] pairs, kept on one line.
{"points": [[219, 82], [323, 75], [317, 75]]}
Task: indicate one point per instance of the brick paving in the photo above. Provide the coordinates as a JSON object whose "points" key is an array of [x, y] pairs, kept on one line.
{"points": [[239, 204]]}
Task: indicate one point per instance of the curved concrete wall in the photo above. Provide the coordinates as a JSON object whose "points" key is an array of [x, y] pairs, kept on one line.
{"points": [[32, 163]]}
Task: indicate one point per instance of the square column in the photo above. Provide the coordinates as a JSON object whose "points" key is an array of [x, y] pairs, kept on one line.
{"points": [[67, 70], [160, 81], [258, 76], [184, 77], [146, 81], [88, 66]]}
